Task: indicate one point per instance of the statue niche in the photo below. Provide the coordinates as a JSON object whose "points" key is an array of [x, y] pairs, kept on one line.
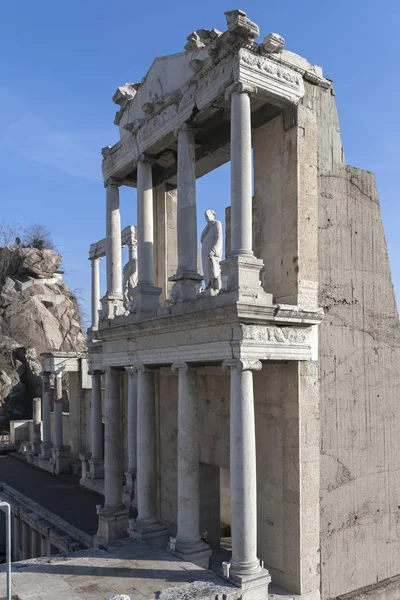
{"points": [[211, 251]]}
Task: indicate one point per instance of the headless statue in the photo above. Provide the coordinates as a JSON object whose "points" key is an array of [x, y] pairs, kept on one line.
{"points": [[211, 251], [130, 279]]}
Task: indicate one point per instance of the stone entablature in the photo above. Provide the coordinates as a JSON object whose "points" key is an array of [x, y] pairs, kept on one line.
{"points": [[207, 336], [128, 238]]}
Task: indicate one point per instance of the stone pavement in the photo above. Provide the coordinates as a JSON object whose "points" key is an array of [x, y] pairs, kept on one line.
{"points": [[127, 567], [61, 494]]}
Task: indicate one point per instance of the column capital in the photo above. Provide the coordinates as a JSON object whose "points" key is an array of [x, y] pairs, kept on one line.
{"points": [[146, 158], [185, 127], [112, 181], [240, 87], [132, 371], [181, 366], [93, 259], [242, 365], [94, 372]]}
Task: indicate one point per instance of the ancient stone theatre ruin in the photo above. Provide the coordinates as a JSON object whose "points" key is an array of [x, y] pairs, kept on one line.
{"points": [[263, 398]]}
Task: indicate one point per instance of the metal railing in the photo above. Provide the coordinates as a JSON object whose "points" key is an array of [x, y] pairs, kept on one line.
{"points": [[5, 507]]}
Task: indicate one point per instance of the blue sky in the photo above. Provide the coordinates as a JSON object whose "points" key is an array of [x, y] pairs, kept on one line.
{"points": [[61, 62]]}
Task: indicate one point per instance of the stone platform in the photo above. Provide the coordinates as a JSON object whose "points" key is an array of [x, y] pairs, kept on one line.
{"points": [[128, 567]]}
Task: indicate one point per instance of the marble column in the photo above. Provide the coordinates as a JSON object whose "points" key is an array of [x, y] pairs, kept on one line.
{"points": [[96, 462], [146, 294], [187, 279], [189, 545], [45, 547], [245, 566], [130, 475], [46, 431], [95, 292], [113, 517], [241, 269], [112, 301], [35, 544], [146, 525], [16, 534]]}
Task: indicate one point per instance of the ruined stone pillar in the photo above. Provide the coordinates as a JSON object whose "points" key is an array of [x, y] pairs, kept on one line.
{"points": [[113, 517], [112, 301], [46, 432], [130, 475], [245, 566], [96, 462], [187, 279], [16, 535], [95, 292], [146, 526], [241, 269], [25, 541], [146, 294], [189, 544]]}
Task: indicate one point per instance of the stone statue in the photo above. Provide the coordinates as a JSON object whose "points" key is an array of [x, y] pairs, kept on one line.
{"points": [[130, 279], [211, 251]]}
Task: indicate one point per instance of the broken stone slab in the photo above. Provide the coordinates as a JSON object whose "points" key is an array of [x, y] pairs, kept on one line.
{"points": [[120, 597], [201, 590]]}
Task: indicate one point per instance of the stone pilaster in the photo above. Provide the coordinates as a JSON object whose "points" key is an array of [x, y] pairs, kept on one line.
{"points": [[46, 431], [130, 475], [146, 294], [189, 545], [113, 516], [146, 526], [96, 462], [112, 302], [246, 571]]}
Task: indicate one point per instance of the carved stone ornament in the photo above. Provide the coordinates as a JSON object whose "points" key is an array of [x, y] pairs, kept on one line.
{"points": [[239, 24], [282, 335], [264, 64], [239, 87], [242, 365], [272, 43], [201, 38], [123, 96]]}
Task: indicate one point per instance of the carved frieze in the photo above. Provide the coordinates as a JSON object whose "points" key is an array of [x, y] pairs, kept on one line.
{"points": [[274, 334], [263, 64]]}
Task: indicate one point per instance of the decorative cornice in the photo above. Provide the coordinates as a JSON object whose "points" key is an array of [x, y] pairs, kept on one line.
{"points": [[123, 97], [267, 66], [272, 43], [242, 365]]}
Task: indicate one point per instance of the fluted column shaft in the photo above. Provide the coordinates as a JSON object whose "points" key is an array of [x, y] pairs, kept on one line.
{"points": [[96, 422], [243, 467], [58, 411], [241, 174], [95, 292], [113, 240], [113, 439]]}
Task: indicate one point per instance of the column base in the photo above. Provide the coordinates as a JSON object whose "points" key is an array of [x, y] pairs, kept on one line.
{"points": [[35, 448], [61, 459], [145, 297], [254, 585], [149, 531], [186, 287], [113, 524], [241, 274], [112, 306], [96, 468], [198, 552], [45, 450]]}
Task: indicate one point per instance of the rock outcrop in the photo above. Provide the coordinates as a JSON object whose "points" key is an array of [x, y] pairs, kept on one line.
{"points": [[38, 314]]}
